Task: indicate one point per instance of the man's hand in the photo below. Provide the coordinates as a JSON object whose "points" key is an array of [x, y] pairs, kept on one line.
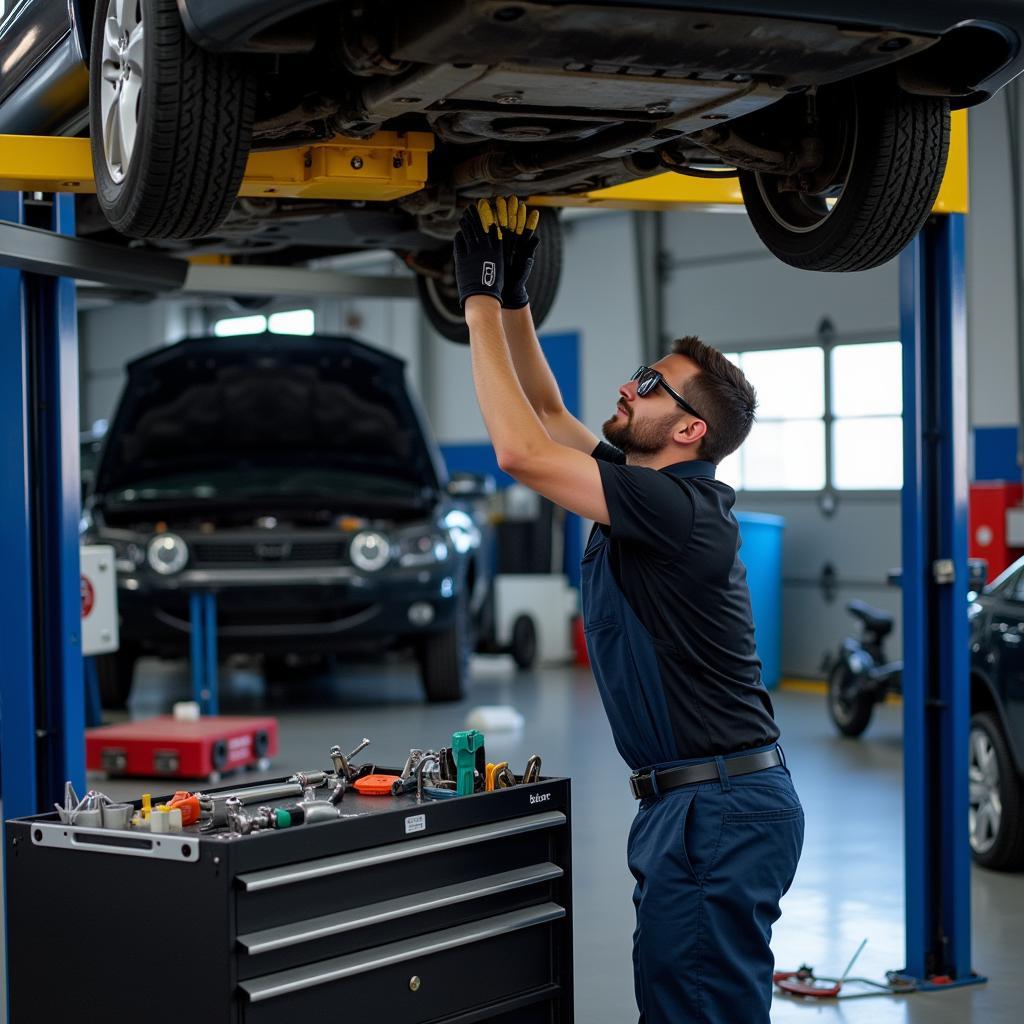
{"points": [[519, 239], [479, 256]]}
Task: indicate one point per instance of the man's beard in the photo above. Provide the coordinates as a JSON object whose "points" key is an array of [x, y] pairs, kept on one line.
{"points": [[639, 438]]}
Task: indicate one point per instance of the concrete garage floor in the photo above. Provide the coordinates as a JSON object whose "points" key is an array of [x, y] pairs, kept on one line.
{"points": [[850, 882]]}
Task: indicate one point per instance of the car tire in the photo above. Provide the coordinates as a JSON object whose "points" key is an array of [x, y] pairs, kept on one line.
{"points": [[894, 149], [439, 296], [524, 642], [850, 712], [175, 168], [444, 659], [996, 812], [116, 673]]}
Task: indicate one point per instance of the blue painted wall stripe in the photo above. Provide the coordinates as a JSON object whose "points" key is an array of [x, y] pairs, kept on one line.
{"points": [[995, 453]]}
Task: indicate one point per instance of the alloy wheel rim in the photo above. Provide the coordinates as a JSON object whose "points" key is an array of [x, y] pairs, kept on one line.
{"points": [[986, 809], [122, 65]]}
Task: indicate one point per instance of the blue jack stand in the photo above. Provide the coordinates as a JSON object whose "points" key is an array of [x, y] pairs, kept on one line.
{"points": [[203, 617]]}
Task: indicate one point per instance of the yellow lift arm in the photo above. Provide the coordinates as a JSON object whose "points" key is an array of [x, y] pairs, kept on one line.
{"points": [[386, 166], [390, 165]]}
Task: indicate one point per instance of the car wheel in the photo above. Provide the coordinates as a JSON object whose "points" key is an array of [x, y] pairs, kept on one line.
{"points": [[995, 816], [439, 296], [848, 705], [116, 672], [885, 157], [444, 659], [170, 123], [524, 642]]}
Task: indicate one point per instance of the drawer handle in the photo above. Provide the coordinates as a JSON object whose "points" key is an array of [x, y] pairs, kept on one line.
{"points": [[283, 982], [317, 928], [257, 881]]}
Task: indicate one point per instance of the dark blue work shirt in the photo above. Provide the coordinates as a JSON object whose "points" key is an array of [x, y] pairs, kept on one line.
{"points": [[672, 553]]}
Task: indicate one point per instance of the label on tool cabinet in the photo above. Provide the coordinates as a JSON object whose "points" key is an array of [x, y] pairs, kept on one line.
{"points": [[415, 823]]}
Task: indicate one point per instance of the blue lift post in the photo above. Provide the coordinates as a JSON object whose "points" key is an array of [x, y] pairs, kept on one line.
{"points": [[202, 606], [42, 700], [936, 689]]}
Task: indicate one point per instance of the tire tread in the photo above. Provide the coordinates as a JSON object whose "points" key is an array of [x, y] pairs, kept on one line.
{"points": [[196, 136], [898, 172]]}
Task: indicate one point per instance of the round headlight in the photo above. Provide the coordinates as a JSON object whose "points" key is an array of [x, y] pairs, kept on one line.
{"points": [[167, 554], [369, 551]]}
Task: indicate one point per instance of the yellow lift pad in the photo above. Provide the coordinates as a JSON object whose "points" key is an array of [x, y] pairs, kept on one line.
{"points": [[386, 166]]}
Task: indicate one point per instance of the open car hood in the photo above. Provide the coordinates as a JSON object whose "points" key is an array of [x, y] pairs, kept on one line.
{"points": [[256, 403]]}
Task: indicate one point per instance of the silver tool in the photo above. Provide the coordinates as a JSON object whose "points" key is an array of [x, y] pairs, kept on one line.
{"points": [[342, 762], [310, 780], [71, 801], [532, 773], [410, 763], [427, 758], [117, 815]]}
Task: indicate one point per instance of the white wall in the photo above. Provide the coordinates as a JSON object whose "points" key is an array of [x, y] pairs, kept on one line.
{"points": [[991, 310], [110, 337]]}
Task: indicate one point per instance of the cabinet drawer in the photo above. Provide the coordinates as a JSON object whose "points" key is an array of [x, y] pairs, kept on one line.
{"points": [[329, 885], [455, 970], [375, 924]]}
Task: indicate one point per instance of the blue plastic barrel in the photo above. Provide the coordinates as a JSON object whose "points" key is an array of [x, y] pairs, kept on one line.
{"points": [[762, 555]]}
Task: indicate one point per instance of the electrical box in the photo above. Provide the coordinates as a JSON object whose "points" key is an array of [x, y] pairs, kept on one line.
{"points": [[99, 600]]}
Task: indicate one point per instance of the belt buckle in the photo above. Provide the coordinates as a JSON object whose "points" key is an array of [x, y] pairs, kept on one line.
{"points": [[634, 786]]}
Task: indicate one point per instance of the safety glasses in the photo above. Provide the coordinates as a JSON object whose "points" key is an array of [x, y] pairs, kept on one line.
{"points": [[648, 379]]}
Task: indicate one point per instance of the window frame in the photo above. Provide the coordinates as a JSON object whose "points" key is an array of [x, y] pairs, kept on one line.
{"points": [[828, 345]]}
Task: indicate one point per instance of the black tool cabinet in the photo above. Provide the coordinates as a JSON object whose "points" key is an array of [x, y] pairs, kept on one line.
{"points": [[446, 912]]}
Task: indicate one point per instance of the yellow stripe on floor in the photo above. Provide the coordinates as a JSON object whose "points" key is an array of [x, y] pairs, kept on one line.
{"points": [[820, 687]]}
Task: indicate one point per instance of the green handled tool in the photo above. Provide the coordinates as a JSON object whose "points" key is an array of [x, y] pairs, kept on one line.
{"points": [[465, 747]]}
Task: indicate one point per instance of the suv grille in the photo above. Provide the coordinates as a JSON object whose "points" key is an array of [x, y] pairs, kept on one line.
{"points": [[267, 552]]}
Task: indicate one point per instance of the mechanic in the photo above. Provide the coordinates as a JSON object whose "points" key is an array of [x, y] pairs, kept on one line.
{"points": [[719, 829]]}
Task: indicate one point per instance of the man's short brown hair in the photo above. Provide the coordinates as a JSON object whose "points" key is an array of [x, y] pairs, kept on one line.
{"points": [[721, 394]]}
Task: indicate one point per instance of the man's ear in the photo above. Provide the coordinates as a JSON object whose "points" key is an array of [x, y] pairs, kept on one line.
{"points": [[689, 432]]}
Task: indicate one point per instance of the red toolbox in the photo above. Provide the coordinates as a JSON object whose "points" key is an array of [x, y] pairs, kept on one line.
{"points": [[203, 749]]}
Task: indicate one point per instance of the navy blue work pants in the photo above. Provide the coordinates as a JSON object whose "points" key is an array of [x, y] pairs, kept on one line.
{"points": [[711, 862]]}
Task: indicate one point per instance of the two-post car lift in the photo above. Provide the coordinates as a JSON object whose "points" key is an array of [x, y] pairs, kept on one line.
{"points": [[42, 714]]}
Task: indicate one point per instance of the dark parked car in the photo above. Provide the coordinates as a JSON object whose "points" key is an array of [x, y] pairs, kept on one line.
{"points": [[997, 721], [299, 481], [834, 115]]}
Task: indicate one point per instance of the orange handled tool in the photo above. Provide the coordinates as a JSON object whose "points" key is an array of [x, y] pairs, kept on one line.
{"points": [[188, 804]]}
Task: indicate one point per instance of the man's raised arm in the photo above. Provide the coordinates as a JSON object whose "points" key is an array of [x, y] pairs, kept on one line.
{"points": [[519, 243]]}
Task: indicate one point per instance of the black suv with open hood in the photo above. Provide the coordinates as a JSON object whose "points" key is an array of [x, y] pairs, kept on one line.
{"points": [[298, 480]]}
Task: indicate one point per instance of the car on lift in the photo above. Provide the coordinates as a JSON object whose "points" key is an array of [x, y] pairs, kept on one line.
{"points": [[834, 116], [300, 483]]}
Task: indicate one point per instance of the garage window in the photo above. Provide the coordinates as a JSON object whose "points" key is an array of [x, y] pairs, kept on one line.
{"points": [[847, 436], [233, 326], [292, 321], [786, 448], [867, 409]]}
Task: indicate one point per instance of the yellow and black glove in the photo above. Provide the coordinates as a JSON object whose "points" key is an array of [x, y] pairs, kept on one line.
{"points": [[518, 226], [479, 254]]}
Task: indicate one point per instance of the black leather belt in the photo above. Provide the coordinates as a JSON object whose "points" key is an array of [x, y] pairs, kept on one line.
{"points": [[644, 786]]}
